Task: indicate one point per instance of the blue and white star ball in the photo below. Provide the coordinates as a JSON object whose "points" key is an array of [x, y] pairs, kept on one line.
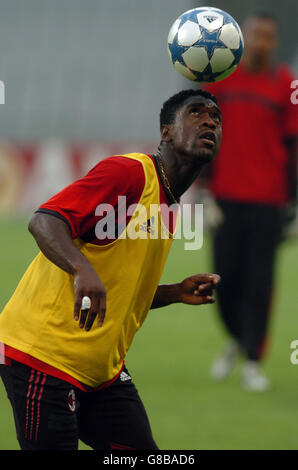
{"points": [[205, 44]]}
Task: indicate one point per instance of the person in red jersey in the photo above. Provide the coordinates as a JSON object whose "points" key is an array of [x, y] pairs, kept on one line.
{"points": [[253, 181], [66, 330]]}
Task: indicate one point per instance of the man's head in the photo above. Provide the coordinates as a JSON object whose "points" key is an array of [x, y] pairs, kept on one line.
{"points": [[260, 32], [190, 122]]}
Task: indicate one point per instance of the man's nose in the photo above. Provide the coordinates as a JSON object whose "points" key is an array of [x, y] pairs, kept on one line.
{"points": [[208, 121]]}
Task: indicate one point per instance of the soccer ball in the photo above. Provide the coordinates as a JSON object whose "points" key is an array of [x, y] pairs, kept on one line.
{"points": [[205, 44]]}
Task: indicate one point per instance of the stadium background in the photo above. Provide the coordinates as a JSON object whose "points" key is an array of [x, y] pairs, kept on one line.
{"points": [[84, 80]]}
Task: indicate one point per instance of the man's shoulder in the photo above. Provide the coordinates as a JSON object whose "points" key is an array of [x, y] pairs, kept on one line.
{"points": [[124, 161], [119, 165]]}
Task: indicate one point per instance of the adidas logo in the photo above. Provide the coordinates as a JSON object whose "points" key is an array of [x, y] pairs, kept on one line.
{"points": [[124, 376], [147, 226], [210, 19]]}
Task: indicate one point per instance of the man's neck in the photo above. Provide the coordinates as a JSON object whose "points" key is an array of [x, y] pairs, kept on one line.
{"points": [[255, 65], [180, 172]]}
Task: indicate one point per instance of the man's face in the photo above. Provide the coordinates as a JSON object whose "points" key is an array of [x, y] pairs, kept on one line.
{"points": [[196, 131], [260, 38]]}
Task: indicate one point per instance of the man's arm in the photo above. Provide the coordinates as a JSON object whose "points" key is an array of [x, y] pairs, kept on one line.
{"points": [[55, 241], [194, 290]]}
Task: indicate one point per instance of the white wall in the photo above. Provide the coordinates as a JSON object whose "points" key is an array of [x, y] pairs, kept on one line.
{"points": [[86, 69]]}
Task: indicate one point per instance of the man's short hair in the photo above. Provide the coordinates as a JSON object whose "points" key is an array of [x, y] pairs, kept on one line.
{"points": [[170, 107], [262, 15]]}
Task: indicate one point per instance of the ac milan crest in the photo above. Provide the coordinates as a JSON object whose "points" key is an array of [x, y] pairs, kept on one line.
{"points": [[71, 399]]}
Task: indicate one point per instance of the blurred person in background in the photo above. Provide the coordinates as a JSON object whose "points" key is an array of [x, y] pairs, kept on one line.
{"points": [[254, 187]]}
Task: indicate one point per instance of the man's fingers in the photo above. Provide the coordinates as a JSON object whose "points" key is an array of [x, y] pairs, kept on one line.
{"points": [[82, 303], [77, 308], [90, 319], [87, 307], [81, 309], [216, 278], [204, 287], [83, 316], [101, 317], [102, 311], [98, 308], [208, 299], [203, 299], [206, 278]]}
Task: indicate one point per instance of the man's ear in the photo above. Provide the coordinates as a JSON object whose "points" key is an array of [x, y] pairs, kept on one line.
{"points": [[166, 133]]}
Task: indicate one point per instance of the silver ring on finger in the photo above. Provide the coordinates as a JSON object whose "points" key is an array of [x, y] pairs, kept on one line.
{"points": [[86, 303]]}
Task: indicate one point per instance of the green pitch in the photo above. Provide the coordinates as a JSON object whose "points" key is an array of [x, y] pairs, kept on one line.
{"points": [[171, 356]]}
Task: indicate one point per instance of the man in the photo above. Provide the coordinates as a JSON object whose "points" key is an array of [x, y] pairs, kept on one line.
{"points": [[254, 183], [64, 373]]}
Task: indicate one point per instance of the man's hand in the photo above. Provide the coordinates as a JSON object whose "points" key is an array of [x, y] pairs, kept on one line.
{"points": [[55, 241], [194, 290], [198, 289], [87, 283]]}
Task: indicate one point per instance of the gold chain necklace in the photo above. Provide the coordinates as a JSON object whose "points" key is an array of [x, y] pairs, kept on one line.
{"points": [[164, 177]]}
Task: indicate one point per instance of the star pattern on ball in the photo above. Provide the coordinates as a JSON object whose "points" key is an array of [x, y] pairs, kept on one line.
{"points": [[211, 38], [237, 54], [204, 77], [177, 50]]}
